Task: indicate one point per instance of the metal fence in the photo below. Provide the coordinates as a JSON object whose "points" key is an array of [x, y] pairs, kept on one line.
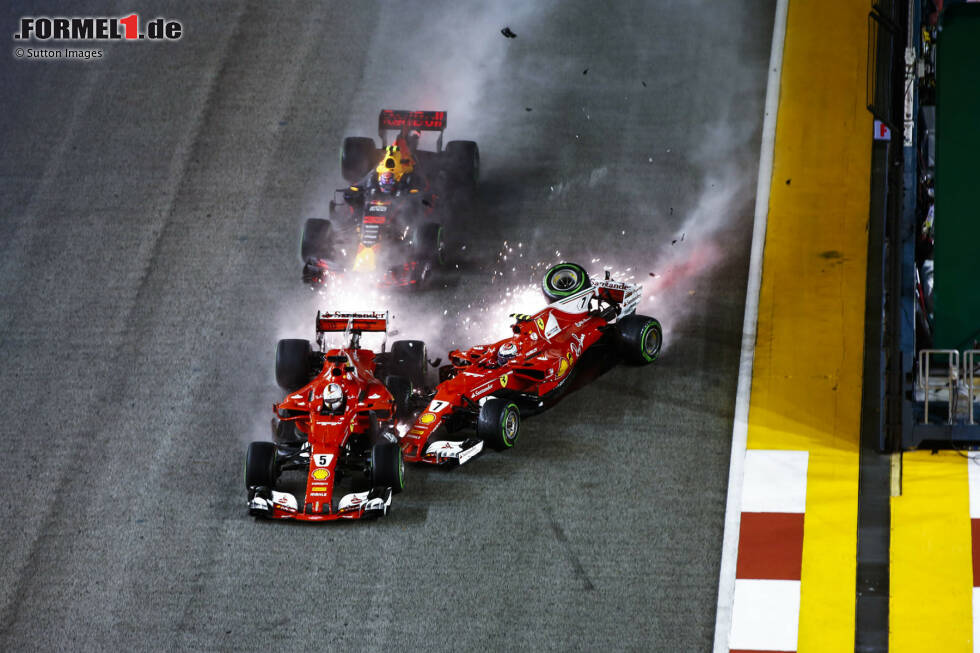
{"points": [[881, 52]]}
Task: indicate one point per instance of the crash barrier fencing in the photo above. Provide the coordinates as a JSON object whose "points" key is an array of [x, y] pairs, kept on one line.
{"points": [[882, 41], [970, 378], [946, 380], [942, 384]]}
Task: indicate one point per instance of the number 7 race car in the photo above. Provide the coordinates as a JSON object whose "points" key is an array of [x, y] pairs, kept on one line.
{"points": [[588, 328], [336, 425]]}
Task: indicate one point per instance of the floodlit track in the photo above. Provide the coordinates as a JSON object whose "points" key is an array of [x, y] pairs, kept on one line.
{"points": [[150, 209]]}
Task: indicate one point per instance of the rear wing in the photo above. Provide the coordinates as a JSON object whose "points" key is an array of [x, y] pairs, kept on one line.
{"points": [[351, 322], [404, 121], [627, 295]]}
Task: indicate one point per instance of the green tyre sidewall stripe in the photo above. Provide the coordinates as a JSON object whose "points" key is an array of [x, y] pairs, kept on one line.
{"points": [[564, 293], [643, 341], [503, 425]]}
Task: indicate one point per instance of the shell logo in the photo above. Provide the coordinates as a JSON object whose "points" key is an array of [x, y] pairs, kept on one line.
{"points": [[427, 418], [321, 474], [503, 381], [562, 367]]}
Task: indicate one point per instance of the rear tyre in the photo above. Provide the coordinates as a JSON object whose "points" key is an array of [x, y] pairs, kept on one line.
{"points": [[641, 338], [317, 240], [499, 423], [464, 162], [260, 465], [401, 390], [357, 157], [294, 364], [564, 280], [387, 466], [408, 359], [287, 435]]}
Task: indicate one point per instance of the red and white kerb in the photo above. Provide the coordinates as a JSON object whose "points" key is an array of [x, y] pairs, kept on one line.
{"points": [[766, 605], [973, 465]]}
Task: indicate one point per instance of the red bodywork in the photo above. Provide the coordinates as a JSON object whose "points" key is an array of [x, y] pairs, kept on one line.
{"points": [[328, 434], [549, 343]]}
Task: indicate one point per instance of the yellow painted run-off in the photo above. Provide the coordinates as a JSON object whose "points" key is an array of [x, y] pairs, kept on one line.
{"points": [[931, 557], [806, 386]]}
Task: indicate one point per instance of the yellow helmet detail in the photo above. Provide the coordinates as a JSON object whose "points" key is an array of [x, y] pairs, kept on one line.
{"points": [[396, 162]]}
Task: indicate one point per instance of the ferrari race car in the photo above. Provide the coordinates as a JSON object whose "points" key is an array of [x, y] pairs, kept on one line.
{"points": [[590, 326], [336, 425], [390, 219]]}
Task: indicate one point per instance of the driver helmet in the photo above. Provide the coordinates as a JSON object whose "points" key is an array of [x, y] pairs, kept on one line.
{"points": [[506, 352], [386, 182], [333, 397], [397, 161]]}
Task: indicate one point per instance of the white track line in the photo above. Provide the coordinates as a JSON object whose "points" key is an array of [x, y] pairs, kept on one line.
{"points": [[729, 552]]}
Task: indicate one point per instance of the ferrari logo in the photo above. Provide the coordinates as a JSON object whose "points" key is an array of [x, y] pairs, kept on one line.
{"points": [[540, 323], [503, 381]]}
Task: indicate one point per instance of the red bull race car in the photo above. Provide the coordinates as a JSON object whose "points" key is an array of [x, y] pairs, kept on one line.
{"points": [[335, 427], [389, 222], [590, 325]]}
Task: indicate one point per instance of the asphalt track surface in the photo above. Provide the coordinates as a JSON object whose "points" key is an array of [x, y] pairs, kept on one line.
{"points": [[151, 203]]}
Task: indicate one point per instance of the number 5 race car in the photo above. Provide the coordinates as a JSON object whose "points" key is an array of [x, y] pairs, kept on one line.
{"points": [[589, 327], [336, 425]]}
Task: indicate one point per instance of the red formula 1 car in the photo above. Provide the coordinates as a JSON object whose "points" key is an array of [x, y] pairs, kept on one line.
{"points": [[394, 230], [589, 327], [335, 426]]}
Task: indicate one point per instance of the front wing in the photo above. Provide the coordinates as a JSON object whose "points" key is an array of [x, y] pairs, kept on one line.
{"points": [[272, 504]]}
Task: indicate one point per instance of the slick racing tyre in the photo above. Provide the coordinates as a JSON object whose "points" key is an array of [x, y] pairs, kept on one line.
{"points": [[429, 244], [294, 367], [499, 423], [260, 465], [564, 280], [357, 157], [401, 390], [317, 240], [387, 466], [408, 359], [464, 162], [641, 338]]}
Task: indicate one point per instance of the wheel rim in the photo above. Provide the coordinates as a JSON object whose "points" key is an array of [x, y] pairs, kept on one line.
{"points": [[651, 342], [510, 424], [401, 471], [564, 280]]}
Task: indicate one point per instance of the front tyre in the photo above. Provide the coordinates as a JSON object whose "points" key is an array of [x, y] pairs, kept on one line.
{"points": [[260, 465], [429, 243], [641, 339], [387, 466], [499, 423], [317, 240], [564, 280]]}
